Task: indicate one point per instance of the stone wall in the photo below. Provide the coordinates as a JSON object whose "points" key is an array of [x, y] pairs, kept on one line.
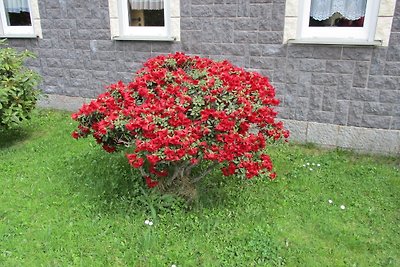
{"points": [[340, 85]]}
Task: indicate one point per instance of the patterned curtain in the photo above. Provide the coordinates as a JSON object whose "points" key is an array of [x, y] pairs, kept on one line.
{"points": [[350, 9], [147, 4], [16, 6]]}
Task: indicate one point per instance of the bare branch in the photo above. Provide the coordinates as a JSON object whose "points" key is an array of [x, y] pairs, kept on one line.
{"points": [[206, 172]]}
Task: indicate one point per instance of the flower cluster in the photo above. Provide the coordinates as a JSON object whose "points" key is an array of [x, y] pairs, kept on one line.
{"points": [[182, 110]]}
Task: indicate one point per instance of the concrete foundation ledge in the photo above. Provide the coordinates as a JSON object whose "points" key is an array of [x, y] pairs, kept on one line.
{"points": [[327, 135], [360, 139], [70, 103]]}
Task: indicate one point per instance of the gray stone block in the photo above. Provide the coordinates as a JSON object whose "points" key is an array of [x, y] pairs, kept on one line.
{"points": [[53, 72], [355, 113], [384, 82], [202, 2], [261, 11], [79, 74], [246, 24], [329, 99], [193, 24], [340, 66], [304, 80], [312, 65], [361, 71], [267, 50], [341, 112], [345, 85], [299, 51], [302, 109], [393, 53], [243, 8], [245, 37], [278, 16], [52, 4], [255, 49], [395, 123], [389, 96], [265, 25], [357, 53], [378, 61], [326, 79], [186, 8], [71, 63], [262, 63], [202, 11], [392, 68], [374, 121], [225, 11], [270, 37], [106, 56], [375, 108], [320, 116], [316, 97], [394, 38], [273, 50], [363, 94], [327, 52], [220, 31], [53, 13]]}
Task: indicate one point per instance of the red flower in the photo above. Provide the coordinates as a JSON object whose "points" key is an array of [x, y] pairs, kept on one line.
{"points": [[153, 159], [150, 183], [75, 134], [272, 176], [109, 149]]}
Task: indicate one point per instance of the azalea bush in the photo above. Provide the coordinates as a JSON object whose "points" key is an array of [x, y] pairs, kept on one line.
{"points": [[18, 86], [182, 116]]}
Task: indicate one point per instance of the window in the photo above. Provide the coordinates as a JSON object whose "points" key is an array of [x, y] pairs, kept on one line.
{"points": [[144, 19], [350, 20], [363, 22], [16, 18]]}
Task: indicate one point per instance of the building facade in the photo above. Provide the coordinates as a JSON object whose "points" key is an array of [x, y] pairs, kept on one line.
{"points": [[333, 91]]}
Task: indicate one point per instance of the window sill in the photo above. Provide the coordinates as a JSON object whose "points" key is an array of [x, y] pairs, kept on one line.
{"points": [[20, 36], [144, 38], [335, 42]]}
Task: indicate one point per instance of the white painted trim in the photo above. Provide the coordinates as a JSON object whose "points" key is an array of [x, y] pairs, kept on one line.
{"points": [[33, 31], [120, 31], [349, 34], [379, 30]]}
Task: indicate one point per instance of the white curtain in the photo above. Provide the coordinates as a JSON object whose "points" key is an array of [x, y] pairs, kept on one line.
{"points": [[350, 9], [16, 6], [147, 4]]}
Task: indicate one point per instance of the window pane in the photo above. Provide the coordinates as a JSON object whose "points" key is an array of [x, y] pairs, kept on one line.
{"points": [[17, 12], [337, 13], [145, 17]]}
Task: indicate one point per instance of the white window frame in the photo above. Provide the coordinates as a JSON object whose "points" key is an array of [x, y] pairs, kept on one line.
{"points": [[32, 31], [339, 34], [126, 32], [16, 30], [378, 26]]}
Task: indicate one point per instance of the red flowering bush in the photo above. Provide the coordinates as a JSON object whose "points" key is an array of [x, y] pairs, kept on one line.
{"points": [[182, 113]]}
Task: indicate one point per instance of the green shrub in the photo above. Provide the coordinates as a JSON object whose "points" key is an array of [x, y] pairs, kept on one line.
{"points": [[18, 86]]}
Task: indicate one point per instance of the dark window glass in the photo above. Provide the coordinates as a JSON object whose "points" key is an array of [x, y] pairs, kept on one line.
{"points": [[145, 17]]}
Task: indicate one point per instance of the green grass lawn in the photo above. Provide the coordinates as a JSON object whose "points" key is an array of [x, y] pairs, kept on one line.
{"points": [[65, 202]]}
